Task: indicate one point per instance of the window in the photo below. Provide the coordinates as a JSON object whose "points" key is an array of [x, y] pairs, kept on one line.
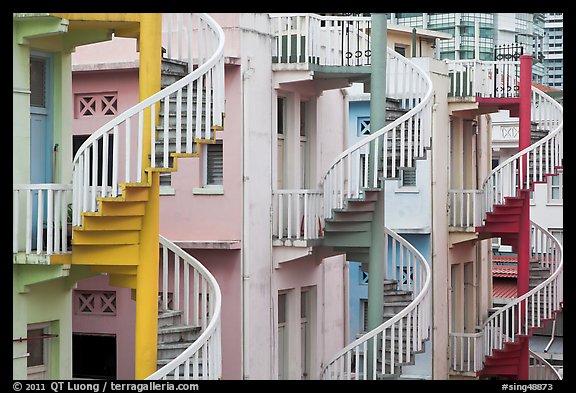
{"points": [[305, 334], [215, 164], [364, 312], [408, 177], [400, 49], [282, 337], [558, 234], [555, 188], [212, 156], [37, 347]]}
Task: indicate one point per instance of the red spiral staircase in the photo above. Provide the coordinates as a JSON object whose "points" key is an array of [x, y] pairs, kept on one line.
{"points": [[507, 216]]}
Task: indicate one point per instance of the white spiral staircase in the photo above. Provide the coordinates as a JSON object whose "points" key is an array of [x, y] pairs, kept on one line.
{"points": [[348, 187], [198, 100]]}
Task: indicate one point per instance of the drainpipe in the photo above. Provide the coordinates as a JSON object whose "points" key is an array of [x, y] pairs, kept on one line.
{"points": [[413, 42], [244, 265]]}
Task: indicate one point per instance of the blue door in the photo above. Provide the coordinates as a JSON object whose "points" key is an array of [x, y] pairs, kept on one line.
{"points": [[41, 160]]}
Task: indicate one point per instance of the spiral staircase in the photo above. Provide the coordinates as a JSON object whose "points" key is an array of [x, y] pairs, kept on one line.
{"points": [[350, 188], [111, 216], [507, 193]]}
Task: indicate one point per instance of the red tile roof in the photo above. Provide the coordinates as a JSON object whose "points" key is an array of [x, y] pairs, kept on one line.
{"points": [[504, 288], [506, 271]]}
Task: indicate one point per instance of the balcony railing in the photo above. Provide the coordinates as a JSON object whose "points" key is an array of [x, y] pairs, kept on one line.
{"points": [[298, 214], [321, 40], [40, 218], [489, 79], [466, 352], [464, 208]]}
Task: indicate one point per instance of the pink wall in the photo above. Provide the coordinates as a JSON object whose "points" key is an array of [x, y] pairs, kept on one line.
{"points": [[329, 277], [121, 324], [185, 216], [123, 50], [225, 266], [124, 82]]}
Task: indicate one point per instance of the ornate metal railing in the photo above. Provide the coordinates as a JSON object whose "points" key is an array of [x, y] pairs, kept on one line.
{"points": [[321, 40]]}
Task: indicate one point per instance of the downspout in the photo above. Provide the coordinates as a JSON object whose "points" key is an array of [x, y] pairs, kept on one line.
{"points": [[244, 266]]}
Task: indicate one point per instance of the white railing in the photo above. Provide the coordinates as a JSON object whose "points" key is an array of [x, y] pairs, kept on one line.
{"points": [[40, 218], [533, 163], [202, 90], [197, 294], [465, 208], [395, 145], [540, 370], [466, 352], [529, 310], [298, 214], [374, 354], [322, 40], [489, 79]]}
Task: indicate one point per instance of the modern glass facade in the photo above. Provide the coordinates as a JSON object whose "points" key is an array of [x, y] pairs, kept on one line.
{"points": [[539, 34]]}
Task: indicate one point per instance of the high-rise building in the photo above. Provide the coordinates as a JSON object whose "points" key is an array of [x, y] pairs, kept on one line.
{"points": [[552, 49], [538, 34]]}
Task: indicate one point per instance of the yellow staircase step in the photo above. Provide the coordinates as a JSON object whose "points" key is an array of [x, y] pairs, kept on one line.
{"points": [[125, 254], [91, 237], [132, 192], [97, 222], [122, 208]]}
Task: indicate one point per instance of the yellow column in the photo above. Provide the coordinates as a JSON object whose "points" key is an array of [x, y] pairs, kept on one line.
{"points": [[150, 71], [146, 336]]}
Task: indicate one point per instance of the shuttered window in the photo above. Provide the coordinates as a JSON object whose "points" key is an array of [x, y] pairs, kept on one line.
{"points": [[215, 164]]}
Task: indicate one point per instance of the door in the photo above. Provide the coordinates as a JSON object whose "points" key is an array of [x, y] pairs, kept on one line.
{"points": [[41, 157]]}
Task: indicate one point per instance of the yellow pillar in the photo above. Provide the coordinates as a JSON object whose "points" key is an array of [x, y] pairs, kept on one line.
{"points": [[150, 45], [146, 336]]}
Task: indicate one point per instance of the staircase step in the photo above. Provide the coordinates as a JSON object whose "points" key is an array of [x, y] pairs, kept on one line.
{"points": [[178, 334], [358, 205], [395, 296], [351, 216], [395, 307], [167, 318], [96, 222], [347, 226], [345, 239], [122, 208], [106, 254], [499, 370], [88, 237], [172, 350]]}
